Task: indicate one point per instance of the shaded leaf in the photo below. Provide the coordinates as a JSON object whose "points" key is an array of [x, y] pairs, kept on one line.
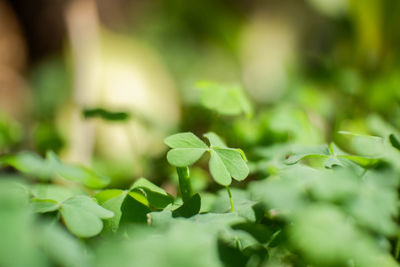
{"points": [[189, 208], [134, 210], [394, 141], [156, 196], [106, 114]]}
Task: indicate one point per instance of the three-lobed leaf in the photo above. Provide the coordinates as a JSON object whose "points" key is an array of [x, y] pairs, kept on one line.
{"points": [[81, 215], [225, 163]]}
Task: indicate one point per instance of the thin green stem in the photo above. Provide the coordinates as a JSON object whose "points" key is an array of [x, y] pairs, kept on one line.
{"points": [[184, 183], [230, 198]]}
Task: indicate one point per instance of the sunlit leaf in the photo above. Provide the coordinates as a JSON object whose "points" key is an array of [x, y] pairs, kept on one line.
{"points": [[225, 99], [225, 163]]}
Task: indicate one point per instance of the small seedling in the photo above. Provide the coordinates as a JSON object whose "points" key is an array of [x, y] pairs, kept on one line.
{"points": [[225, 163]]}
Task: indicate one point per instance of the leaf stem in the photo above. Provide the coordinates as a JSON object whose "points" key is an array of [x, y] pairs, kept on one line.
{"points": [[184, 183], [230, 198]]}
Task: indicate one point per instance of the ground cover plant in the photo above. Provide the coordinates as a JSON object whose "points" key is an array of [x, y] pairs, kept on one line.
{"points": [[314, 205], [199, 133]]}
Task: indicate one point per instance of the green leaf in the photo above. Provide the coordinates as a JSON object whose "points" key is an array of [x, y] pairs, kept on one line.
{"points": [[44, 205], [105, 114], [54, 192], [11, 132], [284, 193], [133, 205], [18, 246], [225, 99], [82, 216], [62, 247], [133, 209], [325, 235], [214, 140], [156, 196], [259, 231], [224, 163], [376, 204], [112, 200], [76, 173], [301, 153], [183, 157], [186, 149], [182, 244], [331, 156], [184, 140], [244, 207], [394, 141], [234, 162], [189, 208], [29, 163], [368, 145], [365, 162], [218, 169], [226, 160]]}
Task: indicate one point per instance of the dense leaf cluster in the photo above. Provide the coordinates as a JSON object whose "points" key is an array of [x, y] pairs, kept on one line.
{"points": [[313, 205]]}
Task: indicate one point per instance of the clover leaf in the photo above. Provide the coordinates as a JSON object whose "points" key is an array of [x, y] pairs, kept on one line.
{"points": [[81, 214], [186, 149], [50, 167], [225, 99], [331, 155], [142, 197], [225, 163]]}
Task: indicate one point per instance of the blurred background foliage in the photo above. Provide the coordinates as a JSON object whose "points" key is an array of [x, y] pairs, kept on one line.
{"points": [[94, 87], [309, 68]]}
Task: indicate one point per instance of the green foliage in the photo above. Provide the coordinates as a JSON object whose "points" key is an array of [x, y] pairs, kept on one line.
{"points": [[394, 141], [224, 99], [82, 216], [319, 206], [331, 156], [304, 204], [105, 114], [225, 163], [319, 183], [10, 133], [51, 168]]}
